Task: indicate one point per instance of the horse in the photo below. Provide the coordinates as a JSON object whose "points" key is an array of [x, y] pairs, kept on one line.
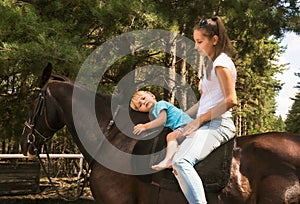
{"points": [[265, 168]]}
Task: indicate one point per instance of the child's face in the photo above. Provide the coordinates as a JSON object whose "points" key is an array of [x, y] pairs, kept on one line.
{"points": [[145, 102]]}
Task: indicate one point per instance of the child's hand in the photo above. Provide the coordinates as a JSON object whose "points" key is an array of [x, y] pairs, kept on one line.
{"points": [[138, 129]]}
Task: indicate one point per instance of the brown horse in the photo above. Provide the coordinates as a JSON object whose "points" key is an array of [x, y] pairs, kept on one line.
{"points": [[265, 167]]}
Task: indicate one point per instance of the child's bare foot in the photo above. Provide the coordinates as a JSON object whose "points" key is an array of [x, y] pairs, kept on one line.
{"points": [[162, 165]]}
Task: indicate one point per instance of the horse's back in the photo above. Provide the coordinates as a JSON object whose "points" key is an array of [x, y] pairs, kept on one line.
{"points": [[271, 162], [280, 145]]}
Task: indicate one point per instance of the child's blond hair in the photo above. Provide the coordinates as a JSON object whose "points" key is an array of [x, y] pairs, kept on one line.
{"points": [[135, 97]]}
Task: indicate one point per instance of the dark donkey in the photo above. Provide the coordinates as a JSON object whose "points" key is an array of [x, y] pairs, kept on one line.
{"points": [[265, 167]]}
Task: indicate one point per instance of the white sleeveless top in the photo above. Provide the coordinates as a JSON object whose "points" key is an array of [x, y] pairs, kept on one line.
{"points": [[211, 89]]}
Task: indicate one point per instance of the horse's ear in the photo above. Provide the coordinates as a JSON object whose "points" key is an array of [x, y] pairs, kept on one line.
{"points": [[46, 75]]}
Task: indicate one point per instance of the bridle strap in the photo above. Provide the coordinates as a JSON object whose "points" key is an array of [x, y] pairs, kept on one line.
{"points": [[33, 130], [47, 122], [112, 121], [40, 109], [44, 109], [51, 182]]}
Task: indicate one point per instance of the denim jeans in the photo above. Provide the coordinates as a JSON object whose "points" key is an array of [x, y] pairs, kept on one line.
{"points": [[196, 148]]}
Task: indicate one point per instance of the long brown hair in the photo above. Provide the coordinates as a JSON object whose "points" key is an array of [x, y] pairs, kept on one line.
{"points": [[214, 26]]}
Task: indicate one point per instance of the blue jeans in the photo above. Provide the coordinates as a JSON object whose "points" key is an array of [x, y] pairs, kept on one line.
{"points": [[196, 148]]}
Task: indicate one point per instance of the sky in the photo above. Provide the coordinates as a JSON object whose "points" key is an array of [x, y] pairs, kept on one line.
{"points": [[291, 56]]}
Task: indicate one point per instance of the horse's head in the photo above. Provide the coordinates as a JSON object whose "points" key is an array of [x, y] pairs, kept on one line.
{"points": [[43, 119]]}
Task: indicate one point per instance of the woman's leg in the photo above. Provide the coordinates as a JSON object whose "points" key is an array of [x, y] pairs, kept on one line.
{"points": [[172, 146], [194, 149]]}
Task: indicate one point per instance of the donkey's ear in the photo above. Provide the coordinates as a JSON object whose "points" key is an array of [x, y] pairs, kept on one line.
{"points": [[46, 75]]}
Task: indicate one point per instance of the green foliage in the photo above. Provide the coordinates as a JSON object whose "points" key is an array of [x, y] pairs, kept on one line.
{"points": [[257, 86], [293, 118], [35, 32], [28, 43]]}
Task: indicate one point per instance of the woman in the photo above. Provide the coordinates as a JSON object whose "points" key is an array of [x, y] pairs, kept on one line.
{"points": [[213, 123]]}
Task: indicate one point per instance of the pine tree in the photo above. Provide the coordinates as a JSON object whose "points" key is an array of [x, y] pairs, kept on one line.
{"points": [[293, 117], [34, 33]]}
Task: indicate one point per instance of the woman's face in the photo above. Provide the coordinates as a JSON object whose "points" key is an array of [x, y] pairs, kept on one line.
{"points": [[204, 44]]}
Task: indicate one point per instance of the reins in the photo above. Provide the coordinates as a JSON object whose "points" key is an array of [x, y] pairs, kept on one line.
{"points": [[112, 121], [79, 192], [39, 110]]}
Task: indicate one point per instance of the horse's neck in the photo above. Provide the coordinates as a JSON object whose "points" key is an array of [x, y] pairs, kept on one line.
{"points": [[80, 121], [63, 94], [88, 123]]}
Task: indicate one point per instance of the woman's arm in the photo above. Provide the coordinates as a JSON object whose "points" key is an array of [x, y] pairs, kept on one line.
{"points": [[192, 111], [229, 101], [159, 121]]}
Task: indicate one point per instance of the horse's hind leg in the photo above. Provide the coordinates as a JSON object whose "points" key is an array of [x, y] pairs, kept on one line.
{"points": [[279, 189]]}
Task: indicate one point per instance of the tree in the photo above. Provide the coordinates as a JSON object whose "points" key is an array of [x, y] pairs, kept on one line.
{"points": [[28, 43], [293, 117], [35, 32], [256, 57]]}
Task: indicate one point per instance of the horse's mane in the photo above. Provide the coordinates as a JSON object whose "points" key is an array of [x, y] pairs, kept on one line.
{"points": [[61, 78], [57, 77]]}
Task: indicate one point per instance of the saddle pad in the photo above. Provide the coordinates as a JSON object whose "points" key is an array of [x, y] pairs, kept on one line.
{"points": [[213, 170]]}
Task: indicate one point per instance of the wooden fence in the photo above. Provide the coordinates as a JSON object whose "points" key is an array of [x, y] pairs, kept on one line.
{"points": [[21, 177]]}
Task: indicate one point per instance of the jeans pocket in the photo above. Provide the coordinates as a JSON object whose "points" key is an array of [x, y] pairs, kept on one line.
{"points": [[227, 128]]}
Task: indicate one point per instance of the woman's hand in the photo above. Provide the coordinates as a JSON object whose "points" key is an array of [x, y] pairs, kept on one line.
{"points": [[139, 128], [191, 127]]}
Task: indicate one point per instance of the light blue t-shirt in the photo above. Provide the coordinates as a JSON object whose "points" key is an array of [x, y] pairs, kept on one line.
{"points": [[175, 116]]}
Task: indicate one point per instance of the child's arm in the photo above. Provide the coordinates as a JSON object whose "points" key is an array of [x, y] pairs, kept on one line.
{"points": [[159, 121]]}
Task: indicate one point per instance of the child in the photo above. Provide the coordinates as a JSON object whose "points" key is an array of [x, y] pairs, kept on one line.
{"points": [[165, 114]]}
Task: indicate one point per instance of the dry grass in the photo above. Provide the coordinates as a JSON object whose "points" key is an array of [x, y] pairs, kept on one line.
{"points": [[67, 187]]}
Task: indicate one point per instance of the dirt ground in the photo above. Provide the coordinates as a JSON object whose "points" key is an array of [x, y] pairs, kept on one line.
{"points": [[46, 194]]}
